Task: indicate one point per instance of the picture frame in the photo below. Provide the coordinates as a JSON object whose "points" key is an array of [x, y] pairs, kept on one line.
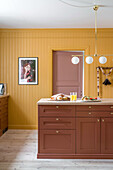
{"points": [[28, 70]]}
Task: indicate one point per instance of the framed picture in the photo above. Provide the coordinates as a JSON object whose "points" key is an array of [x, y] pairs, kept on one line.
{"points": [[28, 70]]}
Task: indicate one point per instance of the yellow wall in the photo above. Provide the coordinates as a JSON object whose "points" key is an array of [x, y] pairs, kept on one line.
{"points": [[16, 43]]}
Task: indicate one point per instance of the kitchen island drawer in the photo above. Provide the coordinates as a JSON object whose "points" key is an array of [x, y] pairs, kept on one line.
{"points": [[94, 114], [58, 110], [57, 123], [94, 108], [57, 141]]}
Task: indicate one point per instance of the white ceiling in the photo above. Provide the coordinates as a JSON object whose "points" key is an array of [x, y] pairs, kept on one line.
{"points": [[53, 14]]}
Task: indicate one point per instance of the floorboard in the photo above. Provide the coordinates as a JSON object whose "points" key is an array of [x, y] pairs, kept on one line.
{"points": [[18, 151]]}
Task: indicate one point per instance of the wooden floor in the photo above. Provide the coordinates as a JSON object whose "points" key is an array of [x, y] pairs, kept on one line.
{"points": [[18, 151]]}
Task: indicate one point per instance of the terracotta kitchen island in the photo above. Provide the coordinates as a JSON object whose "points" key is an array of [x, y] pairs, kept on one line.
{"points": [[68, 129]]}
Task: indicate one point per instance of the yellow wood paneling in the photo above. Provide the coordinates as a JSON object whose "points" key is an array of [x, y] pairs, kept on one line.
{"points": [[16, 43]]}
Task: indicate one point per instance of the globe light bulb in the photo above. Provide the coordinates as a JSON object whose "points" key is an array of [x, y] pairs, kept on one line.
{"points": [[89, 60], [102, 60], [75, 60]]}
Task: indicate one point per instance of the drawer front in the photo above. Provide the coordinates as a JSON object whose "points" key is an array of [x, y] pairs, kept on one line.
{"points": [[94, 114], [94, 108], [83, 108], [57, 141], [68, 111], [3, 101], [57, 123]]}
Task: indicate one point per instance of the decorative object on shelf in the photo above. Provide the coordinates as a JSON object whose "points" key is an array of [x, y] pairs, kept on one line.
{"points": [[28, 70], [75, 60], [5, 88], [1, 89], [102, 58]]}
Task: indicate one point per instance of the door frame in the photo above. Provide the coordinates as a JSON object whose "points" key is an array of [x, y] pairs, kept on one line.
{"points": [[83, 66], [86, 50]]}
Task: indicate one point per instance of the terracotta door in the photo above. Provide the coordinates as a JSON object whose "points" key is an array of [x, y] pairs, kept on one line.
{"points": [[107, 135], [88, 135], [67, 77]]}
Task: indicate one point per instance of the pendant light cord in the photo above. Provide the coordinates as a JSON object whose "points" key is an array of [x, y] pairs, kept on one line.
{"points": [[96, 33]]}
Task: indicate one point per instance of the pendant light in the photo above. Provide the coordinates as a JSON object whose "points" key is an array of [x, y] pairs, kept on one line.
{"points": [[89, 59], [102, 60], [75, 60]]}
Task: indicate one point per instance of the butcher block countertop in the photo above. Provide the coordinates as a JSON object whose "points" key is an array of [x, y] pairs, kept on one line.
{"points": [[46, 101]]}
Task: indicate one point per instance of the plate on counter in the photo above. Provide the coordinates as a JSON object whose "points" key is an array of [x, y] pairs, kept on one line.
{"points": [[91, 100]]}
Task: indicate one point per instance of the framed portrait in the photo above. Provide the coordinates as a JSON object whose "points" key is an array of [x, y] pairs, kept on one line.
{"points": [[28, 70]]}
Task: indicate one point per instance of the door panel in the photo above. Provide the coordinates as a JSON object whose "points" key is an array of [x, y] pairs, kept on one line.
{"points": [[88, 135], [107, 135], [67, 77]]}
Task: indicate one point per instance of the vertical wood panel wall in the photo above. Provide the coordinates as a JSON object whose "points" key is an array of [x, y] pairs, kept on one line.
{"points": [[16, 43]]}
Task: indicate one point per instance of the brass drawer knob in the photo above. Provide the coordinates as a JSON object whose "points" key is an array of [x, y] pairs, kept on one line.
{"points": [[98, 120], [89, 113], [111, 113], [57, 107], [89, 107], [57, 131], [111, 107], [102, 120], [57, 119]]}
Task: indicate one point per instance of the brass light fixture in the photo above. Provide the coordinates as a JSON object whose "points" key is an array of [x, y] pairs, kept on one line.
{"points": [[89, 59]]}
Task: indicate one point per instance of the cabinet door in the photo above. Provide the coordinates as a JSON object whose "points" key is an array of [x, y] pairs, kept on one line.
{"points": [[107, 135], [57, 141], [88, 135]]}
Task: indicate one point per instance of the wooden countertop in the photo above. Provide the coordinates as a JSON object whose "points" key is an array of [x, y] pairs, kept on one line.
{"points": [[2, 96], [46, 101]]}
